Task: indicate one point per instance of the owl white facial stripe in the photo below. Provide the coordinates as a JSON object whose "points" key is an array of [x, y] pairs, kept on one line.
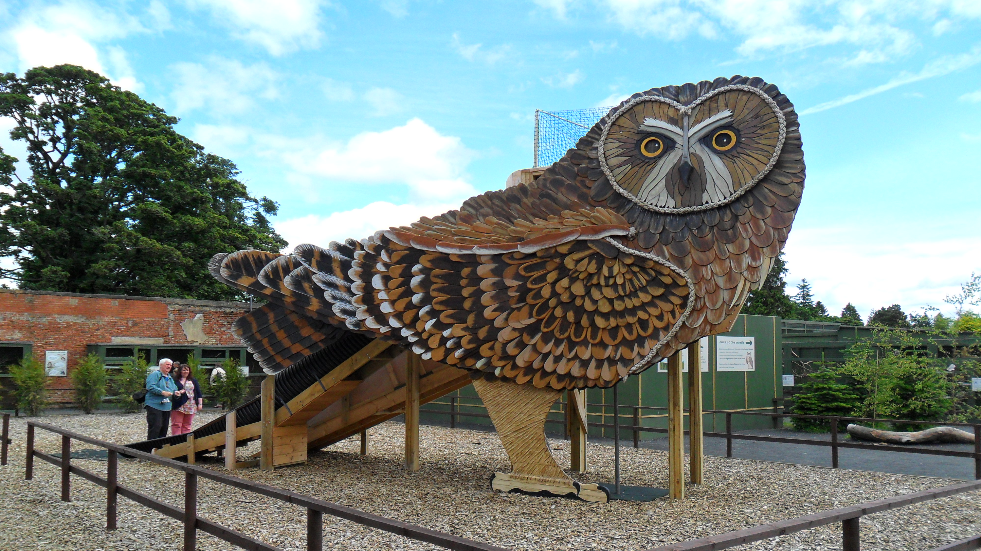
{"points": [[719, 181], [701, 129], [654, 125], [656, 180]]}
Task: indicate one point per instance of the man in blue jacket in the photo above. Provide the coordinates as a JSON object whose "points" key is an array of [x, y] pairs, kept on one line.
{"points": [[160, 387]]}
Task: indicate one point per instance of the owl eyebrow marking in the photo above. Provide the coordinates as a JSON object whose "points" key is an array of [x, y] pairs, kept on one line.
{"points": [[709, 124], [671, 130]]}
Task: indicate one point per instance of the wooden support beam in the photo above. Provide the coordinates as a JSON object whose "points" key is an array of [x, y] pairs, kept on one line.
{"points": [[364, 442], [576, 412], [413, 368], [231, 430], [191, 456], [696, 430], [676, 429], [267, 404]]}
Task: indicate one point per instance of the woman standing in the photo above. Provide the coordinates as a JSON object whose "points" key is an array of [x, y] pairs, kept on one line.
{"points": [[160, 388], [188, 401]]}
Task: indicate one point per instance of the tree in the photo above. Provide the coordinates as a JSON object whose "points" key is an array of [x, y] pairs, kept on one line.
{"points": [[30, 385], [116, 200], [771, 299], [850, 316], [892, 316], [824, 393], [89, 378]]}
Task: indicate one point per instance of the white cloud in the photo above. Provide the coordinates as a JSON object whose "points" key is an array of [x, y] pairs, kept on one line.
{"points": [[223, 86], [973, 97], [69, 33], [667, 19], [871, 272], [397, 8], [558, 7], [384, 101], [337, 91], [564, 80], [938, 67], [602, 47], [477, 52], [228, 141], [431, 165], [356, 223], [279, 27], [612, 100]]}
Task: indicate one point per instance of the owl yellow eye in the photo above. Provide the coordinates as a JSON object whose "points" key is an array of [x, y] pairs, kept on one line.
{"points": [[724, 140], [652, 146]]}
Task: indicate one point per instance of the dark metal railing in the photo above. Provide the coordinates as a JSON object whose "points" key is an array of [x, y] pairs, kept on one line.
{"points": [[192, 522], [847, 516], [835, 443]]}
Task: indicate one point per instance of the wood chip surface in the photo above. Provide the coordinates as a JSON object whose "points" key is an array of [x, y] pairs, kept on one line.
{"points": [[451, 493]]}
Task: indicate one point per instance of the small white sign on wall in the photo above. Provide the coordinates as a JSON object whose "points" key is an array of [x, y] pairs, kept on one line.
{"points": [[788, 380], [735, 353], [976, 384], [56, 363], [703, 358]]}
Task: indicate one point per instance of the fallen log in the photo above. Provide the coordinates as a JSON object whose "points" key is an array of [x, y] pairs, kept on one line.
{"points": [[942, 435]]}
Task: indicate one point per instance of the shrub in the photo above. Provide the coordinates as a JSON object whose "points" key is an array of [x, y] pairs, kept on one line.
{"points": [[131, 378], [89, 378], [30, 385], [825, 393], [231, 389]]}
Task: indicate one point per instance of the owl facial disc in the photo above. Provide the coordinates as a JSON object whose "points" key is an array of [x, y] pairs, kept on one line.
{"points": [[674, 158]]}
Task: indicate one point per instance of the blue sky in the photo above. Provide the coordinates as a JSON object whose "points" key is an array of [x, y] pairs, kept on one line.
{"points": [[355, 116]]}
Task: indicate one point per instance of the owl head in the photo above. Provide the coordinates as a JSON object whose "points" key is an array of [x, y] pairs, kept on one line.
{"points": [[674, 156]]}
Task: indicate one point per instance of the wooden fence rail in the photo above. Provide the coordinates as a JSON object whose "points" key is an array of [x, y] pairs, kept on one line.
{"points": [[835, 444], [316, 508], [847, 516]]}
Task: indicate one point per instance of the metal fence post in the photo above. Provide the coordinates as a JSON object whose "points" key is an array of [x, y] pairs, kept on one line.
{"points": [[190, 511], [29, 460], [112, 487], [66, 465], [850, 535], [776, 418], [315, 530], [977, 452], [834, 442], [4, 439], [728, 434], [636, 426]]}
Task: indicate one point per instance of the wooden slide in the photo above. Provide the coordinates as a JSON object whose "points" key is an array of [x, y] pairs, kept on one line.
{"points": [[349, 386]]}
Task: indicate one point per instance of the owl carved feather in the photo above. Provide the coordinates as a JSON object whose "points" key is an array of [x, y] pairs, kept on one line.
{"points": [[646, 236]]}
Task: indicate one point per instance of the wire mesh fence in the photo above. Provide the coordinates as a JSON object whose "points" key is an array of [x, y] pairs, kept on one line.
{"points": [[558, 131]]}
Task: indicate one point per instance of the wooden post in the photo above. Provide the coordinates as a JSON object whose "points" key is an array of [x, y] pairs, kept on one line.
{"points": [[190, 511], [834, 442], [452, 412], [29, 460], [676, 429], [728, 434], [231, 428], [191, 456], [315, 530], [66, 462], [850, 535], [977, 452], [576, 402], [364, 443], [696, 430], [413, 365], [267, 403], [112, 488], [5, 437]]}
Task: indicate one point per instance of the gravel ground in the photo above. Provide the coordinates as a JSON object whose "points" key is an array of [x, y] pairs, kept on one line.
{"points": [[451, 494]]}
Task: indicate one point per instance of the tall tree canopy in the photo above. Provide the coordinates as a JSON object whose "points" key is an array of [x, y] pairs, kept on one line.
{"points": [[771, 299], [116, 200], [890, 316]]}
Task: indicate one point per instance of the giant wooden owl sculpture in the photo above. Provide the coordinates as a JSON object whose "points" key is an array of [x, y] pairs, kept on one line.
{"points": [[646, 236]]}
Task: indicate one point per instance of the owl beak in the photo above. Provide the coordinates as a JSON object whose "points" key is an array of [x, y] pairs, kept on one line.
{"points": [[685, 170]]}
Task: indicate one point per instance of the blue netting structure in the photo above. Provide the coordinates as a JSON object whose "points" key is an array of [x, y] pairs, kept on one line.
{"points": [[558, 131]]}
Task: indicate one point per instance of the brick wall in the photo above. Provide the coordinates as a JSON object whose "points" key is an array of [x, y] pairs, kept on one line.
{"points": [[63, 321]]}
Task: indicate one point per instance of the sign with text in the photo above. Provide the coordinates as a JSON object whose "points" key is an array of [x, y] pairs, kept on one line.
{"points": [[56, 363], [976, 384], [703, 358], [735, 353], [788, 380]]}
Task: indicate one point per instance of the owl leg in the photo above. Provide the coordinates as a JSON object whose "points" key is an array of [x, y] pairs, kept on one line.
{"points": [[518, 413]]}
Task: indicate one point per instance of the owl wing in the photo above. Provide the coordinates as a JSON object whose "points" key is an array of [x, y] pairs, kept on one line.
{"points": [[558, 302]]}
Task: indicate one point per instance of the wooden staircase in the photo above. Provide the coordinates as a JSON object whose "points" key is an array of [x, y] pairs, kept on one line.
{"points": [[299, 413]]}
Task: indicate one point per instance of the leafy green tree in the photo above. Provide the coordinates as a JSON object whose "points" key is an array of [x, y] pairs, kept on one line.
{"points": [[824, 392], [231, 388], [890, 316], [967, 322], [116, 200], [970, 294], [89, 378], [30, 385], [131, 378], [771, 299], [850, 315]]}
